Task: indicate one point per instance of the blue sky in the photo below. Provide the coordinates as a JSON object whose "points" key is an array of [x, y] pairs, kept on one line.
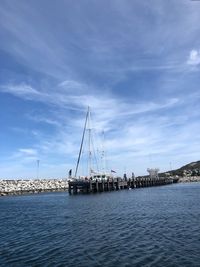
{"points": [[135, 63]]}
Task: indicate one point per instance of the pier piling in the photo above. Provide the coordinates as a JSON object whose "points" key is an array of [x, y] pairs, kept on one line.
{"points": [[111, 184]]}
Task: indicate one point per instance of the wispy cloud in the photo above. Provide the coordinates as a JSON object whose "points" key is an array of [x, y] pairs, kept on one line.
{"points": [[194, 57], [24, 155], [133, 66], [105, 106], [28, 151], [21, 90]]}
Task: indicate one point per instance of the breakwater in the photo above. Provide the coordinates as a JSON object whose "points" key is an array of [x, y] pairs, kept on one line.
{"points": [[18, 187], [189, 179]]}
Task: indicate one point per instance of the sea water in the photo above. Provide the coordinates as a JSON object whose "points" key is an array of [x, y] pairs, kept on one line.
{"points": [[157, 226]]}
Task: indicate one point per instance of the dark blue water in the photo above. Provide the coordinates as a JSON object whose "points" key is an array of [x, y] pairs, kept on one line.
{"points": [[158, 226]]}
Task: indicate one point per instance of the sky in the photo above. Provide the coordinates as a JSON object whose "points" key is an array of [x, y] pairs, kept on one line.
{"points": [[135, 63]]}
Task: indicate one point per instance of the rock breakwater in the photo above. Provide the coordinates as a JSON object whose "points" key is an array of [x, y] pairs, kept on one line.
{"points": [[189, 179], [18, 187]]}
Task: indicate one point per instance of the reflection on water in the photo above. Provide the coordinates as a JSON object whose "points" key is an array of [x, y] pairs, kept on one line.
{"points": [[157, 226]]}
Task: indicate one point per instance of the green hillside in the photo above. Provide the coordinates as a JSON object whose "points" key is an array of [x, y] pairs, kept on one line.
{"points": [[192, 168]]}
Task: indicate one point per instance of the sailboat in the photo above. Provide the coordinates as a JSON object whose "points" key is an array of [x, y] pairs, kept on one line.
{"points": [[92, 174]]}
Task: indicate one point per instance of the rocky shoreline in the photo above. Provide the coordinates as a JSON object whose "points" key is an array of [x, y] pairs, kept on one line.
{"points": [[189, 179], [21, 187]]}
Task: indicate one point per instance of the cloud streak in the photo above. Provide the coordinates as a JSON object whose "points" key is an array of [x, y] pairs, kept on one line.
{"points": [[194, 57]]}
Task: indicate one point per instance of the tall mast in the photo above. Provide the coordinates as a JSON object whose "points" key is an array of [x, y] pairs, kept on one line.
{"points": [[103, 153], [89, 145], [81, 147]]}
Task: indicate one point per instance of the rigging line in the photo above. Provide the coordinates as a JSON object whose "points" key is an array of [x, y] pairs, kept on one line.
{"points": [[95, 157], [105, 155], [92, 137], [89, 144], [96, 151], [103, 152], [82, 142]]}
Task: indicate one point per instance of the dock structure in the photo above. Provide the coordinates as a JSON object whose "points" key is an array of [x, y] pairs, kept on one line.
{"points": [[114, 184]]}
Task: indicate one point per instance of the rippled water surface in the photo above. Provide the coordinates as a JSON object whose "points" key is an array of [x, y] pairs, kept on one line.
{"points": [[158, 226]]}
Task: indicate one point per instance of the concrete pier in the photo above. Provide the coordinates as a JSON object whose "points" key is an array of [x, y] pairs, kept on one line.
{"points": [[111, 184]]}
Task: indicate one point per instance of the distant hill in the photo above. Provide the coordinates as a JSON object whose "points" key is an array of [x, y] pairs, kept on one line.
{"points": [[192, 168]]}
